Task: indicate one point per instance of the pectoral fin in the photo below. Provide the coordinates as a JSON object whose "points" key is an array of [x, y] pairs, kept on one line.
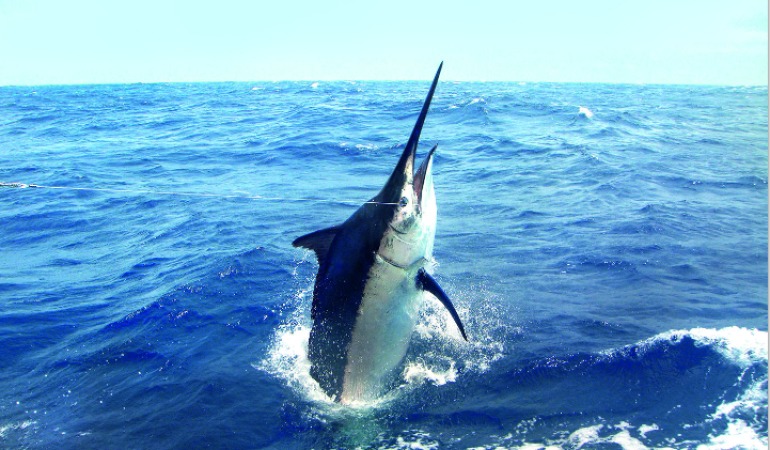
{"points": [[318, 241], [427, 283]]}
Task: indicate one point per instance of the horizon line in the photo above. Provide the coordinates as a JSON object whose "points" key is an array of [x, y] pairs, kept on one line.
{"points": [[350, 80]]}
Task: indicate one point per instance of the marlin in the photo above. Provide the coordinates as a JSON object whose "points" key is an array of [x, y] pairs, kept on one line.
{"points": [[371, 280]]}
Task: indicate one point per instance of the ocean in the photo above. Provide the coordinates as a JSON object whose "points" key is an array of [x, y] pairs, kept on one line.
{"points": [[605, 246]]}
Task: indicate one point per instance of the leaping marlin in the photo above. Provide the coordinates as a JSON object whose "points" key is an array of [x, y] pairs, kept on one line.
{"points": [[371, 278]]}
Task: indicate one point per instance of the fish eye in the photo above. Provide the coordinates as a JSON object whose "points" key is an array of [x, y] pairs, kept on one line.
{"points": [[403, 202]]}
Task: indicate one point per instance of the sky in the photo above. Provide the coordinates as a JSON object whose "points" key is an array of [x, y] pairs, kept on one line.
{"points": [[633, 41]]}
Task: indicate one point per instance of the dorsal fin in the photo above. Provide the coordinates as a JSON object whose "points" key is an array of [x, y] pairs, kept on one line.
{"points": [[427, 283], [318, 241]]}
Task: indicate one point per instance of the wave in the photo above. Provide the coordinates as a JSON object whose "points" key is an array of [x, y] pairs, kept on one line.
{"points": [[702, 387]]}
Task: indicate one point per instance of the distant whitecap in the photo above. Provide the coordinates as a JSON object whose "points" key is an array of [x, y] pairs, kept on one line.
{"points": [[477, 100], [585, 112]]}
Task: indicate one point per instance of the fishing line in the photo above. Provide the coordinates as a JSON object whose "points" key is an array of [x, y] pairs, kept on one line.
{"points": [[185, 194]]}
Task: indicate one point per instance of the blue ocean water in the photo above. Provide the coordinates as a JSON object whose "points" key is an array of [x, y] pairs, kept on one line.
{"points": [[605, 246]]}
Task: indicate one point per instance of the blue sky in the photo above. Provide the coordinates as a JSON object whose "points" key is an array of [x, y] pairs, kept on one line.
{"points": [[651, 41]]}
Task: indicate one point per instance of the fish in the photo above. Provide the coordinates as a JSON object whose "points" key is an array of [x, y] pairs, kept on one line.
{"points": [[373, 273]]}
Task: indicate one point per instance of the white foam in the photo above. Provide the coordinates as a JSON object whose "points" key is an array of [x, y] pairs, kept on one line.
{"points": [[585, 436], [751, 403], [590, 436], [740, 346], [419, 442], [753, 399], [627, 442], [738, 435], [644, 429], [529, 446]]}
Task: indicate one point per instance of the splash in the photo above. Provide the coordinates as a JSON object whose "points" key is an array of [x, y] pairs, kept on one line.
{"points": [[419, 372], [288, 360], [438, 355]]}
